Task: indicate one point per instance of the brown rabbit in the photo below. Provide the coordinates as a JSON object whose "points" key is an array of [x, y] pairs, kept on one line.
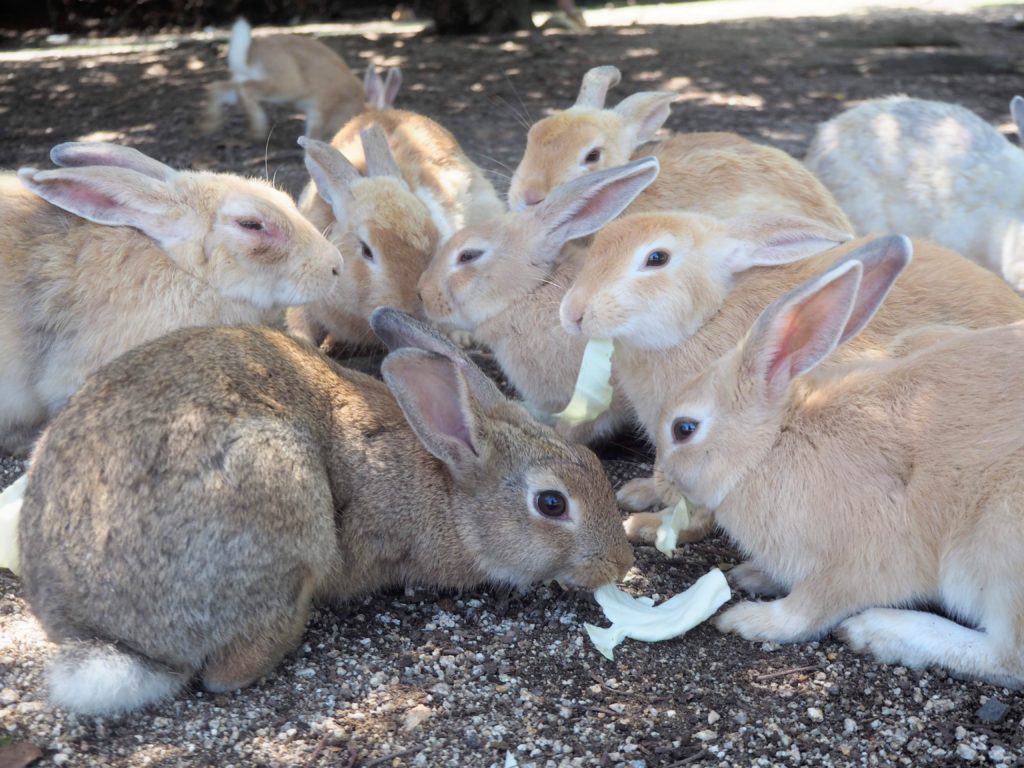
{"points": [[288, 69], [196, 495], [869, 487], [116, 249]]}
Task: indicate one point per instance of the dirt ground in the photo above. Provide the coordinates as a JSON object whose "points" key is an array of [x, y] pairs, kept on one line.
{"points": [[490, 678]]}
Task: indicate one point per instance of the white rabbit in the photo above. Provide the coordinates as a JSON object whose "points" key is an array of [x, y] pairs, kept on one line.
{"points": [[930, 169], [118, 248], [869, 487]]}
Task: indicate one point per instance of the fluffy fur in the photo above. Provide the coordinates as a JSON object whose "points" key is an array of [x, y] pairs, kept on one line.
{"points": [[930, 169], [849, 490], [115, 249], [201, 490]]}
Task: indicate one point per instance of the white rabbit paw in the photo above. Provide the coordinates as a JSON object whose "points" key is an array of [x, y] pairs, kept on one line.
{"points": [[642, 527], [766, 621], [754, 581], [638, 494]]}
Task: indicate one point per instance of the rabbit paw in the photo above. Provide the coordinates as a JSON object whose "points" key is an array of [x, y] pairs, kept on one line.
{"points": [[638, 494], [753, 580], [764, 621], [642, 527]]}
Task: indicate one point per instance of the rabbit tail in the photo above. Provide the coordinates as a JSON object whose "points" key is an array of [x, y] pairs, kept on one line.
{"points": [[238, 48], [97, 678]]}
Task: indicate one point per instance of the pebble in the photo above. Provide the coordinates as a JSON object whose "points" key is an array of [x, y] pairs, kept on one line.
{"points": [[815, 714], [992, 711], [966, 751]]}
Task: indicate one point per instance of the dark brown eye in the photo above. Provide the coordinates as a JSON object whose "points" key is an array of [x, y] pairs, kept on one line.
{"points": [[367, 253], [657, 258], [683, 429], [251, 224], [551, 503], [592, 156], [470, 254]]}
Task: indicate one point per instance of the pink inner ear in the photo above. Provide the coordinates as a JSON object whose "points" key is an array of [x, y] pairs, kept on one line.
{"points": [[83, 199], [438, 394]]}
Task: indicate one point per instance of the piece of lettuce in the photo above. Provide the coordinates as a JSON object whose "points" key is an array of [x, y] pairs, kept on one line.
{"points": [[10, 511], [593, 393]]}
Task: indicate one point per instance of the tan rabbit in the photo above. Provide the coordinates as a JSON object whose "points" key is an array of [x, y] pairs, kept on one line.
{"points": [[197, 493], [384, 231], [431, 162], [503, 280], [586, 137], [381, 94], [285, 69], [879, 485], [676, 290], [123, 249]]}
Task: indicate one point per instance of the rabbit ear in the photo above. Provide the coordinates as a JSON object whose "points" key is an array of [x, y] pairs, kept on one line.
{"points": [[399, 330], [373, 89], [332, 173], [114, 196], [74, 154], [800, 329], [883, 261], [1017, 110], [392, 83], [769, 240], [646, 112], [595, 85], [582, 206], [437, 403], [379, 160]]}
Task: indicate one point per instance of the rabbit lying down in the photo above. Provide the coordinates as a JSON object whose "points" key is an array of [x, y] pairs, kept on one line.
{"points": [[199, 492]]}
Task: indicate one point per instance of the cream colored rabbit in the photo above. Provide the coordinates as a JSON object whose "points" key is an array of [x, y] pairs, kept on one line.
{"points": [[502, 281], [931, 169], [384, 231], [675, 290], [196, 495], [118, 248], [286, 69], [869, 488], [586, 137]]}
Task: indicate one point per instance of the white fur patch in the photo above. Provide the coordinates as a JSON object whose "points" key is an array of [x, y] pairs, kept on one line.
{"points": [[101, 680]]}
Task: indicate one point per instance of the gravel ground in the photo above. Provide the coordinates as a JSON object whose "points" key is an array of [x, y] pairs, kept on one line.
{"points": [[470, 679]]}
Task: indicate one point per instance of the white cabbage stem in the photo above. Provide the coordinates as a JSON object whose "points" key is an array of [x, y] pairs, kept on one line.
{"points": [[673, 520], [593, 393], [10, 511], [640, 619]]}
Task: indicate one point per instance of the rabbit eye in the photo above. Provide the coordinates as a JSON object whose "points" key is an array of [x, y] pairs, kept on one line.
{"points": [[254, 225], [683, 429], [367, 253], [592, 156], [658, 258], [468, 255], [551, 503]]}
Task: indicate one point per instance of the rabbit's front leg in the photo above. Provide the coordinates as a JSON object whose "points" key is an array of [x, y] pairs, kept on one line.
{"points": [[807, 613]]}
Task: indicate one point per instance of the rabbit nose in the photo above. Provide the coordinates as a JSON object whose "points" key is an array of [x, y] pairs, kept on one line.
{"points": [[419, 296], [334, 271]]}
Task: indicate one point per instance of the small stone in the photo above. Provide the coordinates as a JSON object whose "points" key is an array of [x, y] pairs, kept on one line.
{"points": [[966, 751], [992, 711], [60, 758], [307, 672], [996, 754], [415, 717], [713, 717], [815, 714], [705, 735], [8, 696], [849, 725]]}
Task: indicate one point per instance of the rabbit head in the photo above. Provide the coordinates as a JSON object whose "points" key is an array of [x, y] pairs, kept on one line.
{"points": [[384, 231], [482, 269], [653, 279], [527, 505], [381, 94], [721, 424], [585, 138], [241, 236]]}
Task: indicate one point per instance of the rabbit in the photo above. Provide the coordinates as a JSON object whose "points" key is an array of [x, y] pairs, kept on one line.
{"points": [[846, 490], [502, 281], [431, 162], [287, 69], [384, 231], [676, 290], [197, 493], [381, 94], [586, 137], [930, 169], [116, 248]]}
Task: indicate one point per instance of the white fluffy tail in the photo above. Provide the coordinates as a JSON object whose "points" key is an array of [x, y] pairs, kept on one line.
{"points": [[238, 49], [93, 678]]}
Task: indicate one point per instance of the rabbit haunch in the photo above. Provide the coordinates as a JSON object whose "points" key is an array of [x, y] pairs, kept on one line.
{"points": [[848, 489], [297, 70], [196, 533], [503, 280], [116, 248], [930, 169]]}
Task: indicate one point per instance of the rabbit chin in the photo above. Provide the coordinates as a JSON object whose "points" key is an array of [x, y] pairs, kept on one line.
{"points": [[275, 293]]}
